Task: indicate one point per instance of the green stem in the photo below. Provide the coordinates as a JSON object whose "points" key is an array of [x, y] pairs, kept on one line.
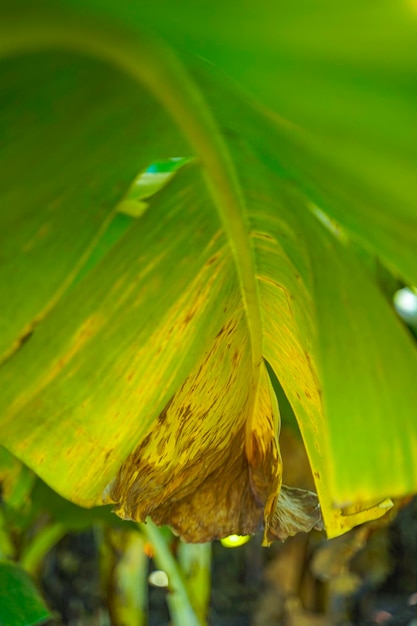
{"points": [[195, 562], [180, 607], [125, 570], [40, 545]]}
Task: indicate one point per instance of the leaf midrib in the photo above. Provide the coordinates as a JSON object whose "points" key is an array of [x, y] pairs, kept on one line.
{"points": [[156, 67]]}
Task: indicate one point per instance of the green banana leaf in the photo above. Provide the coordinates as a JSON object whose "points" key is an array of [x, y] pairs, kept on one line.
{"points": [[20, 601], [140, 378]]}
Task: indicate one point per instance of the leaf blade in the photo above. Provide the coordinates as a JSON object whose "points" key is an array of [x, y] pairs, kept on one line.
{"points": [[20, 602]]}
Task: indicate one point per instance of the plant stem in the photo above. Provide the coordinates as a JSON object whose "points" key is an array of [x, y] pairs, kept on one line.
{"points": [[195, 561], [127, 583], [41, 544], [180, 607]]}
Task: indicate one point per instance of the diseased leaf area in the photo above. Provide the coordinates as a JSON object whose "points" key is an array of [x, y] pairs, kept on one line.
{"points": [[135, 325], [198, 446]]}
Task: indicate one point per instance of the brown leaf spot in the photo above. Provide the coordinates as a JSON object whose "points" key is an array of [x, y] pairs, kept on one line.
{"points": [[185, 412], [221, 331], [162, 443], [212, 260], [108, 453], [265, 236], [138, 452], [163, 415], [189, 443], [235, 357]]}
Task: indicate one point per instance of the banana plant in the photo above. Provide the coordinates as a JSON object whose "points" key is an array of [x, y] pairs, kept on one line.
{"points": [[139, 325]]}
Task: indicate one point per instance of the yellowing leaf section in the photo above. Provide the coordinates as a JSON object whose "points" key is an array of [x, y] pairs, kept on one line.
{"points": [[102, 366], [210, 464]]}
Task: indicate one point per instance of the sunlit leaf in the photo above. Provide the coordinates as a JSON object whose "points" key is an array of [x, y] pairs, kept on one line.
{"points": [[147, 361]]}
